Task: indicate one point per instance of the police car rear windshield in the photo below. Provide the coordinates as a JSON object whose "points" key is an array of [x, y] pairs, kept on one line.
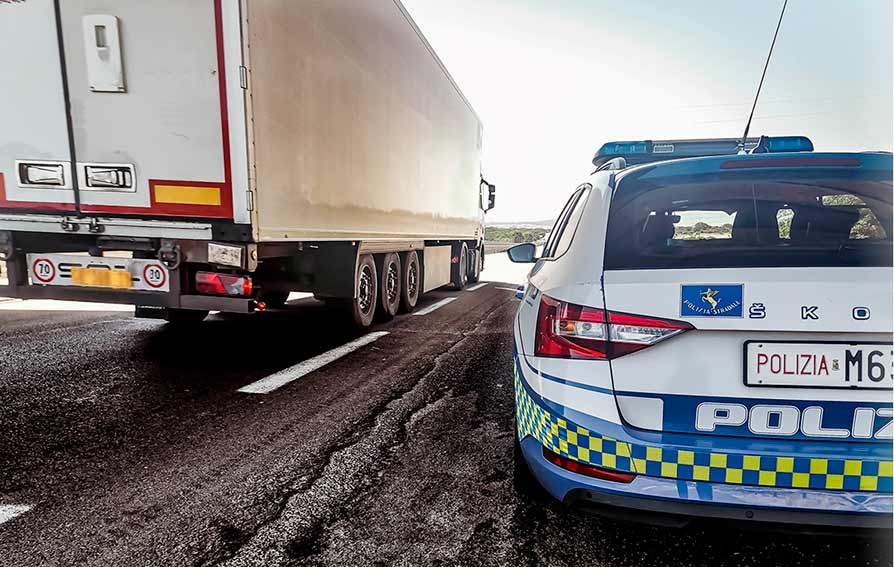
{"points": [[751, 222]]}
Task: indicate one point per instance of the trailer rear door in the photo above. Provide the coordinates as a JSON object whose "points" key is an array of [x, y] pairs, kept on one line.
{"points": [[35, 162], [150, 90]]}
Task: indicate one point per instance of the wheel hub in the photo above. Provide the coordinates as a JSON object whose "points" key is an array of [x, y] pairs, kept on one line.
{"points": [[392, 283], [365, 290]]}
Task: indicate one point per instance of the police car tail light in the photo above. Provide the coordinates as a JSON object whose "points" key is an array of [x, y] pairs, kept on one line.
{"points": [[566, 330], [630, 333], [223, 284]]}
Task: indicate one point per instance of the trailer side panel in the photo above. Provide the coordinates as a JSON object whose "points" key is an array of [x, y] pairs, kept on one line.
{"points": [[358, 130]]}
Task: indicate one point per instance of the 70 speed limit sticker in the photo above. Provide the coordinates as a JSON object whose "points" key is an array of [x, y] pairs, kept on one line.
{"points": [[55, 269]]}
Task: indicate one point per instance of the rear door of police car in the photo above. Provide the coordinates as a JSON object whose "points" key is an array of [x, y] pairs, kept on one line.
{"points": [[783, 267]]}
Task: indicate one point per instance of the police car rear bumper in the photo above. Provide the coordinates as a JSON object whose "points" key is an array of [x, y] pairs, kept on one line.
{"points": [[804, 507]]}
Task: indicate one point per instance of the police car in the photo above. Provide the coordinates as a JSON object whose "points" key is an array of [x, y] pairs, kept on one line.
{"points": [[711, 336]]}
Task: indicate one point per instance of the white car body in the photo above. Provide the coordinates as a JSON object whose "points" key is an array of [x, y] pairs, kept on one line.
{"points": [[687, 418]]}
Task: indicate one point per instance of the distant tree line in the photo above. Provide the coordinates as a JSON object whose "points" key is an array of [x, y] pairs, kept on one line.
{"points": [[514, 235]]}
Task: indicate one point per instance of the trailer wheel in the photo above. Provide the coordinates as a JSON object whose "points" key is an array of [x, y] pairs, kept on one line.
{"points": [[476, 265], [389, 289], [460, 270], [363, 307], [411, 282], [185, 317]]}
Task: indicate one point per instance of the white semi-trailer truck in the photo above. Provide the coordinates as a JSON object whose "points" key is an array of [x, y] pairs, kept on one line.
{"points": [[187, 156]]}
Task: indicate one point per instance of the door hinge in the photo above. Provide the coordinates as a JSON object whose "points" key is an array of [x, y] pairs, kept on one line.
{"points": [[69, 226], [243, 77], [250, 200], [95, 227]]}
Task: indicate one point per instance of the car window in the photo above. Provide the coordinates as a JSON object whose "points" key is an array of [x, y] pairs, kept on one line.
{"points": [[751, 224], [566, 235], [556, 232]]}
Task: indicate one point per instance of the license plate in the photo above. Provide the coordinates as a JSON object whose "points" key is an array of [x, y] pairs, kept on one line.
{"points": [[819, 365], [87, 271], [102, 277]]}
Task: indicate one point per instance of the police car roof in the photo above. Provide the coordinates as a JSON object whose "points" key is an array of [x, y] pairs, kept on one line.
{"points": [[648, 151], [879, 163]]}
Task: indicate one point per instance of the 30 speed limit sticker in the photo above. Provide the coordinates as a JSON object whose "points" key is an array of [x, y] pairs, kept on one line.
{"points": [[55, 269]]}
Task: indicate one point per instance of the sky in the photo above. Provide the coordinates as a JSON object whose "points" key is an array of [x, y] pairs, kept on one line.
{"points": [[553, 80]]}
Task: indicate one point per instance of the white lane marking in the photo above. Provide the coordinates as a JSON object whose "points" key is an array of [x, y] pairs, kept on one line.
{"points": [[297, 296], [476, 287], [434, 306], [10, 511], [283, 377], [507, 288]]}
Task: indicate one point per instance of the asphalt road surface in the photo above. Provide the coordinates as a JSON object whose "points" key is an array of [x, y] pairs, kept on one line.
{"points": [[123, 442]]}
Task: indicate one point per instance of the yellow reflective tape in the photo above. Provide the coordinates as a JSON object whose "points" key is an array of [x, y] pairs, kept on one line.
{"points": [[718, 460], [868, 483], [785, 464], [622, 449], [639, 465], [596, 444], [751, 463], [685, 457], [800, 480], [701, 473], [819, 466], [187, 195], [767, 478], [572, 438], [669, 470], [609, 461], [835, 481], [886, 468], [734, 476], [653, 453], [853, 468], [583, 454]]}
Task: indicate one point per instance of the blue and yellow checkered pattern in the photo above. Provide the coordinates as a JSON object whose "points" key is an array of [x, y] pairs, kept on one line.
{"points": [[588, 447]]}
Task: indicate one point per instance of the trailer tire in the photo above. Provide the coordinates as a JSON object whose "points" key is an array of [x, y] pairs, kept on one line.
{"points": [[185, 317], [410, 282], [476, 265], [363, 306], [390, 286], [459, 271]]}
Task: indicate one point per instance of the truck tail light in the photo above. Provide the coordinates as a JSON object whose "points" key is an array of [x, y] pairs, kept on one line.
{"points": [[587, 470], [223, 284], [566, 330]]}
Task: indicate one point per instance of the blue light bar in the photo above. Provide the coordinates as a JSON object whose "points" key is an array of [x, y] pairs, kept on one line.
{"points": [[647, 151], [625, 148], [783, 144]]}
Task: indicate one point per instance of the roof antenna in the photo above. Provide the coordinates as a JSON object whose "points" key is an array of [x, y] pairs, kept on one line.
{"points": [[761, 84]]}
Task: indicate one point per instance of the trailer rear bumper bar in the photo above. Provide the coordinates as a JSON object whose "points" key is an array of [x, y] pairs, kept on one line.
{"points": [[141, 298], [124, 227]]}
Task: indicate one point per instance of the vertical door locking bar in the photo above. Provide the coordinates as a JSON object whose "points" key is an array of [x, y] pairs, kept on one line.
{"points": [[67, 100]]}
